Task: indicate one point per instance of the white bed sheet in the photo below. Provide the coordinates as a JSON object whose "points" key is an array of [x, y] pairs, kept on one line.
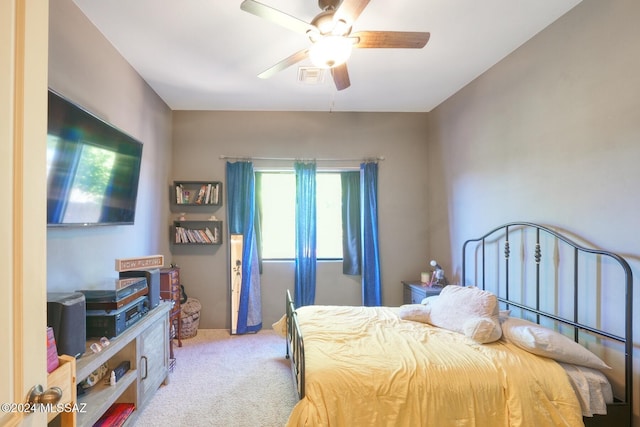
{"points": [[592, 388]]}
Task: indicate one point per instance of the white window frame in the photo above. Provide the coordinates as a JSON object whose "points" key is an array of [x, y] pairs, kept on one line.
{"points": [[290, 218]]}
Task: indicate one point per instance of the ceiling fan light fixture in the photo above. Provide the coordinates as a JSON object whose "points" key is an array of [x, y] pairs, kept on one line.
{"points": [[341, 28], [330, 51], [330, 35], [324, 21]]}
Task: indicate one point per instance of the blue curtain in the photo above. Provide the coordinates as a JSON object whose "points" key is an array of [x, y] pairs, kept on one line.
{"points": [[305, 266], [371, 294], [351, 242], [241, 216]]}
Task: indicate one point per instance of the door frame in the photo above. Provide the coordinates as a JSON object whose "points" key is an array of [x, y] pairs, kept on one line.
{"points": [[24, 26]]}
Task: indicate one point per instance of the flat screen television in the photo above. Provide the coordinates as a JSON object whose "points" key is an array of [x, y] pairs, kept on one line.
{"points": [[93, 168]]}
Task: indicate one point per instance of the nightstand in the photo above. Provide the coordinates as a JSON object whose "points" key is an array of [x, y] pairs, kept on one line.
{"points": [[415, 292]]}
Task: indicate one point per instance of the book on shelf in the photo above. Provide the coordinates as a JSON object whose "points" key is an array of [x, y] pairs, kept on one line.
{"points": [[195, 237], [210, 235], [215, 194], [207, 194], [204, 237], [184, 235], [116, 415], [212, 194], [181, 235], [179, 194], [52, 351], [186, 238]]}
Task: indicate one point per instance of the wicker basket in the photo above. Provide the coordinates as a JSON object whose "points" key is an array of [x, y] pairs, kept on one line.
{"points": [[190, 318]]}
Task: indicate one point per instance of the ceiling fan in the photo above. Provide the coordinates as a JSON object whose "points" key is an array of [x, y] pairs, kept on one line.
{"points": [[331, 37]]}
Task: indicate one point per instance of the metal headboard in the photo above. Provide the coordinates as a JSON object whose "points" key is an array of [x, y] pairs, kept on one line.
{"points": [[503, 234]]}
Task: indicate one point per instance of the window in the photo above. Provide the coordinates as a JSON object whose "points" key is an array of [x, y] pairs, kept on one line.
{"points": [[277, 197]]}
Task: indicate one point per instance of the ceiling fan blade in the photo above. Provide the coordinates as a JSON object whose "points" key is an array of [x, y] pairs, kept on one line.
{"points": [[285, 63], [274, 15], [341, 76], [390, 39], [350, 10]]}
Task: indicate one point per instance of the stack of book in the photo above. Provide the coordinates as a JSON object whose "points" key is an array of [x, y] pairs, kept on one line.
{"points": [[189, 235]]}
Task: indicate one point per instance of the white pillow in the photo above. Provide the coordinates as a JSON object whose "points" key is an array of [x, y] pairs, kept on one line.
{"points": [[504, 313], [481, 329], [428, 300], [415, 312], [467, 310], [545, 342]]}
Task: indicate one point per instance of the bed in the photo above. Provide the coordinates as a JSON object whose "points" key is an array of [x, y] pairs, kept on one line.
{"points": [[466, 357]]}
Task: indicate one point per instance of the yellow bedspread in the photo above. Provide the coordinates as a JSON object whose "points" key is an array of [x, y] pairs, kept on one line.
{"points": [[367, 367]]}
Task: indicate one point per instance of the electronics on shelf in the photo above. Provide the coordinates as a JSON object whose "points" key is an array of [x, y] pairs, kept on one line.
{"points": [[111, 323], [153, 282], [126, 291], [66, 315]]}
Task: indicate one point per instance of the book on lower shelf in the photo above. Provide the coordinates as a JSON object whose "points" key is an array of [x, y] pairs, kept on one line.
{"points": [[206, 235], [116, 415]]}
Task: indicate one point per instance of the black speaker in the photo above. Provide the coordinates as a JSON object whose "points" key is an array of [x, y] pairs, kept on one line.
{"points": [[67, 315], [153, 282]]}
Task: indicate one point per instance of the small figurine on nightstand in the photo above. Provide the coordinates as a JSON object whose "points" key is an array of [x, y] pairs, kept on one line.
{"points": [[437, 277]]}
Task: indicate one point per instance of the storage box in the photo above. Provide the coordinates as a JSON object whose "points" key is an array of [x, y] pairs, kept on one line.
{"points": [[190, 318]]}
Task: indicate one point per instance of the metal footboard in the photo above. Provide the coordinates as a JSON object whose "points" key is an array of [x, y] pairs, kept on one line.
{"points": [[295, 346]]}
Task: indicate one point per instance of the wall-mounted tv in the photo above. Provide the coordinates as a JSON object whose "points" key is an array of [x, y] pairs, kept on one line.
{"points": [[93, 168]]}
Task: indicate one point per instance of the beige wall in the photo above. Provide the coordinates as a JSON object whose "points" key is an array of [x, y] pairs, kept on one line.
{"points": [[200, 138], [84, 67], [551, 135]]}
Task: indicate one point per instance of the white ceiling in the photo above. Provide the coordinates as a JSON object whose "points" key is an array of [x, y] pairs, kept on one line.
{"points": [[206, 54]]}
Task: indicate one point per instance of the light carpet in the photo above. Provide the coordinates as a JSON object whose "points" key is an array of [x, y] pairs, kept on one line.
{"points": [[225, 380]]}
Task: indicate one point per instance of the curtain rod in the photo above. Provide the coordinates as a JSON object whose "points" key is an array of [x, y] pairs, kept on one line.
{"points": [[292, 159]]}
